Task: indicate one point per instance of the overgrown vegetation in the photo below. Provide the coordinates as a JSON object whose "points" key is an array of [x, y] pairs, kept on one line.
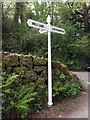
{"points": [[19, 99], [16, 97], [66, 88]]}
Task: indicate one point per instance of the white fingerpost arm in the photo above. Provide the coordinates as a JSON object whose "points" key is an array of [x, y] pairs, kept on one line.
{"points": [[49, 63]]}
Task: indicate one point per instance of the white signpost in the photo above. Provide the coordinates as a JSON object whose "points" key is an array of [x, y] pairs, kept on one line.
{"points": [[47, 28]]}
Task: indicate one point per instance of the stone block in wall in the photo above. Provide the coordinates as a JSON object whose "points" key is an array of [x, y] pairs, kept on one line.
{"points": [[64, 69], [39, 69], [40, 61], [26, 61], [30, 74], [72, 77], [55, 64], [54, 77], [44, 74], [17, 70], [10, 60], [57, 72], [40, 84], [9, 69], [32, 86]]}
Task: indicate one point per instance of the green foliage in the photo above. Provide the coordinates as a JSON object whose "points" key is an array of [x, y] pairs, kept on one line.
{"points": [[62, 77], [72, 48], [38, 106], [57, 88], [65, 87], [18, 97], [73, 90]]}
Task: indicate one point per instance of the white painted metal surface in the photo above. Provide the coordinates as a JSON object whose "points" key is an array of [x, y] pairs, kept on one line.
{"points": [[47, 28], [44, 27], [57, 30], [35, 24], [49, 63], [42, 31]]}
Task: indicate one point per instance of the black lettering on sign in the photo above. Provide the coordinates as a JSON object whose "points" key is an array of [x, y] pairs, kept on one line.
{"points": [[33, 23], [57, 30], [41, 26]]}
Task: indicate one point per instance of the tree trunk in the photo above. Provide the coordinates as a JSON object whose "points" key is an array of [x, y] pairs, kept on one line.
{"points": [[17, 9], [2, 11], [19, 12], [86, 18]]}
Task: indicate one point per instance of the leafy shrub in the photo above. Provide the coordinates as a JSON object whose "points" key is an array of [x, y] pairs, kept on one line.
{"points": [[16, 99], [57, 88], [62, 77], [65, 87], [73, 90], [19, 98]]}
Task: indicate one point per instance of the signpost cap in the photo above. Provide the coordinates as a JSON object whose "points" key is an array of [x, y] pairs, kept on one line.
{"points": [[48, 19]]}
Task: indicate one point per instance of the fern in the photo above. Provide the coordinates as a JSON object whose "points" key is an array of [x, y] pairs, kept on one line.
{"points": [[10, 80], [18, 97], [22, 92], [26, 101]]}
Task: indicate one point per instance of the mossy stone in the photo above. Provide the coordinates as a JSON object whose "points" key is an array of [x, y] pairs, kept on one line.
{"points": [[40, 82], [9, 69], [40, 61], [44, 74], [57, 72], [30, 74], [17, 70], [27, 61], [64, 69], [39, 69], [10, 60], [55, 64], [32, 86]]}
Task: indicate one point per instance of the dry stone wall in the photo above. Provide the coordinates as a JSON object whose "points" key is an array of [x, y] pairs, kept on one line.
{"points": [[35, 71], [34, 67]]}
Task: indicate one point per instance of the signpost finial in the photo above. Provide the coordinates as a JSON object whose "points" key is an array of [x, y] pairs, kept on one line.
{"points": [[48, 19]]}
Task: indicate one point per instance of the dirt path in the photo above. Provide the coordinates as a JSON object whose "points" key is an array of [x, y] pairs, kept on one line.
{"points": [[81, 108], [82, 111], [68, 108]]}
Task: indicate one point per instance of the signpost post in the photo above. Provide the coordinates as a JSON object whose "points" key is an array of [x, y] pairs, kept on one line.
{"points": [[49, 63], [47, 28]]}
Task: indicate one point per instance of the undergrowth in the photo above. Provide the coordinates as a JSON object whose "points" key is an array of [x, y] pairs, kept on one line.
{"points": [[66, 87], [19, 98], [16, 97]]}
